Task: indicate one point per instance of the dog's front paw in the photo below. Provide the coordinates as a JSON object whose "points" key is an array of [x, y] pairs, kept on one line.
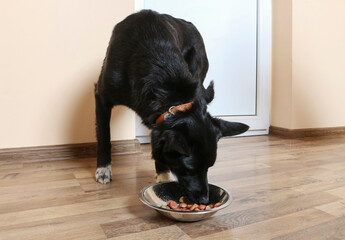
{"points": [[103, 174]]}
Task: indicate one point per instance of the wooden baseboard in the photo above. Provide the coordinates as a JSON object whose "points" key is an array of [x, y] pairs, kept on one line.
{"points": [[307, 132], [63, 152]]}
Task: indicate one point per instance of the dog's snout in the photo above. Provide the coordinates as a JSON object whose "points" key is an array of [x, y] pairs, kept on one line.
{"points": [[198, 197], [196, 187]]}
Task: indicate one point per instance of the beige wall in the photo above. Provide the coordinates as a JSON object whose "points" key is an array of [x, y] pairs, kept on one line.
{"points": [[281, 99], [51, 55], [308, 74]]}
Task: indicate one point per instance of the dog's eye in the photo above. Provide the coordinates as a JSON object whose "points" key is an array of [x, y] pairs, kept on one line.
{"points": [[173, 154]]}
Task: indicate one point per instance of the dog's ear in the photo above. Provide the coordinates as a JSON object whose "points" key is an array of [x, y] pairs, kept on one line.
{"points": [[209, 92], [175, 143], [229, 128]]}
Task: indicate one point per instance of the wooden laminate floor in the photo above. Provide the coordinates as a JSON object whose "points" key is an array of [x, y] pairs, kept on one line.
{"points": [[282, 189]]}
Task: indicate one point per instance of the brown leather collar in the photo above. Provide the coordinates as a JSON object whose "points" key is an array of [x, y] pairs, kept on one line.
{"points": [[173, 110]]}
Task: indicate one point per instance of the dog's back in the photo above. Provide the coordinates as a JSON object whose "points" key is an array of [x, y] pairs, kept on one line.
{"points": [[153, 61]]}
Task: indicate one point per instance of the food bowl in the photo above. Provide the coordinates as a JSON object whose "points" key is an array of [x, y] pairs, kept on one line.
{"points": [[158, 194]]}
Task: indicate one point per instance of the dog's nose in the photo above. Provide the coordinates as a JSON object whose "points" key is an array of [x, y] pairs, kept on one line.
{"points": [[204, 200], [198, 197]]}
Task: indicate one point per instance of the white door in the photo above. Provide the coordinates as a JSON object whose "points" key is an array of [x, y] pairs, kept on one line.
{"points": [[237, 40]]}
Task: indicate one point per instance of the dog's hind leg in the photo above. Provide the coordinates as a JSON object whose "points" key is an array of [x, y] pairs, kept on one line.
{"points": [[103, 113]]}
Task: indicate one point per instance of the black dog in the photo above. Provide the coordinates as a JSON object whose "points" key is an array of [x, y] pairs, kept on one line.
{"points": [[154, 62]]}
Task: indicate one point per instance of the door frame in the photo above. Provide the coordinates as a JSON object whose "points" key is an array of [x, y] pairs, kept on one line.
{"points": [[259, 123]]}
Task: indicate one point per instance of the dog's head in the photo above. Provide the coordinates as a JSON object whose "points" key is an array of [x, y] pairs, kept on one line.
{"points": [[187, 145]]}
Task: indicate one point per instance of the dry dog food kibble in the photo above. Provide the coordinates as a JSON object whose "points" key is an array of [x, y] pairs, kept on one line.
{"points": [[183, 206], [172, 204], [217, 204]]}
